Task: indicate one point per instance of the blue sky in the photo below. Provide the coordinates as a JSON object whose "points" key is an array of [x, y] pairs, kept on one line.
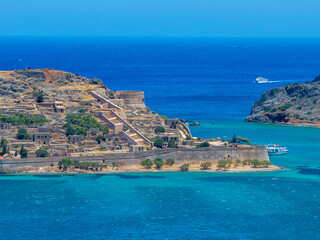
{"points": [[204, 18]]}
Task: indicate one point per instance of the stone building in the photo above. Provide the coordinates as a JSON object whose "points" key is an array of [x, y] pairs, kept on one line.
{"points": [[58, 107], [132, 98], [173, 123], [5, 126], [74, 139], [42, 138]]}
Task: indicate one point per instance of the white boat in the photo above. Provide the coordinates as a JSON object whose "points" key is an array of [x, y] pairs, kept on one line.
{"points": [[276, 149], [261, 80]]}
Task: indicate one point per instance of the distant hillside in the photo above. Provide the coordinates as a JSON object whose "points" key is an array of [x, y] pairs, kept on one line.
{"points": [[296, 104]]}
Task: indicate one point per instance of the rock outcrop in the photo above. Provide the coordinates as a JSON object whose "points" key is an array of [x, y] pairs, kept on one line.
{"points": [[296, 104]]}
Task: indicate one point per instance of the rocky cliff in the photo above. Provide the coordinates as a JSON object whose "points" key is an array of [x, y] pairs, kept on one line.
{"points": [[296, 104]]}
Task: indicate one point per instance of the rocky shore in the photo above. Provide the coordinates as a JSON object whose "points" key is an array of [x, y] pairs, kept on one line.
{"points": [[293, 104]]}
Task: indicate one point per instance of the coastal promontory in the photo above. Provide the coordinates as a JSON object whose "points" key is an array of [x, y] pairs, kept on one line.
{"points": [[293, 104]]}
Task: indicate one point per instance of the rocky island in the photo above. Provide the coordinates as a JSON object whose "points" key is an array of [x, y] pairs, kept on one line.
{"points": [[293, 104], [48, 115]]}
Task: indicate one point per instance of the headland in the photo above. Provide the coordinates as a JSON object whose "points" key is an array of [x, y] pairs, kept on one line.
{"points": [[48, 115]]}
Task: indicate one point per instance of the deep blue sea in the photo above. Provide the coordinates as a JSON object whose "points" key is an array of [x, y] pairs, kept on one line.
{"points": [[209, 80]]}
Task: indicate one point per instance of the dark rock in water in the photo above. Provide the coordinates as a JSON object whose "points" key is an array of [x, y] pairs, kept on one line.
{"points": [[213, 123], [292, 104], [195, 124], [183, 120]]}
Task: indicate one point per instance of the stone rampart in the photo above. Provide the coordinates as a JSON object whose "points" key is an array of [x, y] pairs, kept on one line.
{"points": [[181, 155]]}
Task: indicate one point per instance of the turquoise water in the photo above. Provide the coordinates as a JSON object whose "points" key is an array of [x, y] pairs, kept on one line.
{"points": [[206, 80], [270, 205]]}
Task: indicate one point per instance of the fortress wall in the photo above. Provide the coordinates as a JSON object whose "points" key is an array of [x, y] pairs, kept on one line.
{"points": [[195, 155], [132, 98]]}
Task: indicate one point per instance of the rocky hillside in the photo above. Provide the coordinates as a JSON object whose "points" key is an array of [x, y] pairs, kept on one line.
{"points": [[296, 104], [21, 85]]}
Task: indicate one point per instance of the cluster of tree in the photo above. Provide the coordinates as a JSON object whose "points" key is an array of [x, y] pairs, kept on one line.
{"points": [[226, 164], [204, 144], [23, 134], [159, 130], [42, 152], [101, 138], [65, 163], [240, 140], [23, 119], [158, 162], [79, 124], [4, 146], [159, 143]]}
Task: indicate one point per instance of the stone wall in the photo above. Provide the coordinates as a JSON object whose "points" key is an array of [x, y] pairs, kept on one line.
{"points": [[181, 155], [132, 98]]}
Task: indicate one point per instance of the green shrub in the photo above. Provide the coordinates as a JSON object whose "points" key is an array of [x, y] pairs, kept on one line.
{"points": [[79, 124], [172, 144], [170, 161], [23, 119], [309, 113], [23, 134], [204, 144], [158, 162], [65, 163], [115, 164], [23, 152], [147, 163], [42, 153], [159, 142], [159, 130], [296, 116], [101, 138], [184, 167], [205, 165], [82, 110], [222, 164], [285, 107]]}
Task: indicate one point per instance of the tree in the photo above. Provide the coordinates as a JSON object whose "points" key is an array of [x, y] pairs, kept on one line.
{"points": [[172, 144], [170, 161], [42, 153], [184, 167], [16, 153], [23, 134], [101, 138], [159, 130], [115, 164], [75, 163], [23, 152], [65, 163], [255, 163], [237, 162], [234, 139], [265, 163], [205, 165], [147, 163], [229, 162], [81, 110], [222, 164], [159, 142], [204, 144], [3, 144], [40, 98], [158, 162]]}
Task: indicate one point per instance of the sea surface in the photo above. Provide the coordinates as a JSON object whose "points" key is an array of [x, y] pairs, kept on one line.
{"points": [[209, 80]]}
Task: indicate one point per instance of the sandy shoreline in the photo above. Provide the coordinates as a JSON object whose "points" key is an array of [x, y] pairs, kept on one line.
{"points": [[140, 169]]}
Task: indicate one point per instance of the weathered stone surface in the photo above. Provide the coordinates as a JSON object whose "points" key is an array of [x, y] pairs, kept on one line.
{"points": [[292, 104]]}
